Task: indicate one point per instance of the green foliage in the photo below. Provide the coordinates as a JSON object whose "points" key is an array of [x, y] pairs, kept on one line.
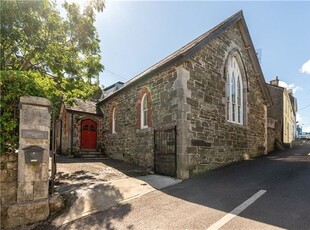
{"points": [[34, 36], [14, 84], [45, 53]]}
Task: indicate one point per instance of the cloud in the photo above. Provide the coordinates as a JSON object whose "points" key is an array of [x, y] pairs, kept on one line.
{"points": [[298, 118], [305, 67], [289, 86]]}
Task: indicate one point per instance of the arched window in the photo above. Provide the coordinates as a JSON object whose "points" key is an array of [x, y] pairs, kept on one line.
{"points": [[234, 92], [113, 120], [144, 111]]}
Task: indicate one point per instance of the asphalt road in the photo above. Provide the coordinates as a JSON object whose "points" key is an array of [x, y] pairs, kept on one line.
{"points": [[270, 192]]}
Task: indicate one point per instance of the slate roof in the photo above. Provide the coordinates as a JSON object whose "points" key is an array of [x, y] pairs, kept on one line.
{"points": [[111, 86], [84, 107], [191, 48]]}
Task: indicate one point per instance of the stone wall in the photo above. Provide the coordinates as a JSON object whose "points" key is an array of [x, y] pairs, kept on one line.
{"points": [[63, 132], [130, 142], [191, 95], [24, 176], [274, 132], [14, 213], [65, 126], [276, 110], [213, 140], [77, 119], [8, 182]]}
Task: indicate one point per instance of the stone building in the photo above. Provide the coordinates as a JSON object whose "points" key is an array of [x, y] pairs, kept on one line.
{"points": [[274, 135], [201, 107], [294, 115], [79, 128], [283, 110]]}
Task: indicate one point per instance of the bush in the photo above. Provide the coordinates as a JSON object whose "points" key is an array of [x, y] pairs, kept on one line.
{"points": [[13, 85]]}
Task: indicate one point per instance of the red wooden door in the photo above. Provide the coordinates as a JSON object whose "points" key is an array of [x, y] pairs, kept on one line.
{"points": [[89, 135]]}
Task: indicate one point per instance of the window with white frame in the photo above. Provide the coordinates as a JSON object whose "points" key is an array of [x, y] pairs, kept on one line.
{"points": [[234, 92], [144, 111], [113, 121]]}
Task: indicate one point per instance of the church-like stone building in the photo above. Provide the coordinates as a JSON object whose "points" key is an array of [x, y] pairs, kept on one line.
{"points": [[201, 107]]}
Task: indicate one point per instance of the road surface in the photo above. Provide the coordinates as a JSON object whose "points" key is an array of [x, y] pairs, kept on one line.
{"points": [[270, 192]]}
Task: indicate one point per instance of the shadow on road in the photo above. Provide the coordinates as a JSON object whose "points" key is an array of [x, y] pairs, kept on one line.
{"points": [[284, 174], [82, 202], [104, 221]]}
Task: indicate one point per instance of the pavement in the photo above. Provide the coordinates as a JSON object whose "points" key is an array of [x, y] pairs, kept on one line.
{"points": [[268, 192], [100, 196]]}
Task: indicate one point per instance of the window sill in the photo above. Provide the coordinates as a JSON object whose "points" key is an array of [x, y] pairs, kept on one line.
{"points": [[144, 130], [236, 124]]}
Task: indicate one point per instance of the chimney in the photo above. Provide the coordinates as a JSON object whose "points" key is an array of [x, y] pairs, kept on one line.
{"points": [[275, 82]]}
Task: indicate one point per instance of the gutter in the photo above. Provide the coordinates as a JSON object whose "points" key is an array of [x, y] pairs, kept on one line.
{"points": [[77, 111]]}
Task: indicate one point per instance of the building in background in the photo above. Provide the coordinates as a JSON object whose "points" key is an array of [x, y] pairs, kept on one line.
{"points": [[112, 89], [299, 130], [283, 110], [79, 129]]}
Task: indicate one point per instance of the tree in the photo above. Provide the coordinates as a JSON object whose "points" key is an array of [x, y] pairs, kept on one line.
{"points": [[45, 52], [34, 36]]}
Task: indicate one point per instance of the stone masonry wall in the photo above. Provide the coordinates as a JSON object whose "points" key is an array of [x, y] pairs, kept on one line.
{"points": [[8, 182], [66, 132], [77, 119], [191, 95], [276, 110], [130, 142], [24, 176], [274, 132], [214, 140]]}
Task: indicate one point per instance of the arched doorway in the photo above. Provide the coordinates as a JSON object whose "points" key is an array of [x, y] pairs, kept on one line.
{"points": [[88, 135]]}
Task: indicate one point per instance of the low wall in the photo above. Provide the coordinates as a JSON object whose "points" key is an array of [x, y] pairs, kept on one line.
{"points": [[25, 176], [14, 213], [8, 183]]}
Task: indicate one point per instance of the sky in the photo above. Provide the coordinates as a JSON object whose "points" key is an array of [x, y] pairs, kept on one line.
{"points": [[137, 34]]}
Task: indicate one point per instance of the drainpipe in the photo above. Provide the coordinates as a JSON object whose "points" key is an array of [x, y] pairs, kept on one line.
{"points": [[53, 155], [60, 137], [72, 133]]}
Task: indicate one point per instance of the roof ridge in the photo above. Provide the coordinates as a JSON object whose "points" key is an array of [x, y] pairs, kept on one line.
{"points": [[187, 50], [188, 46]]}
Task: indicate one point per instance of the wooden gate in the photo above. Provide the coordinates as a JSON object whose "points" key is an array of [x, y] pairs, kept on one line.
{"points": [[165, 149], [89, 135]]}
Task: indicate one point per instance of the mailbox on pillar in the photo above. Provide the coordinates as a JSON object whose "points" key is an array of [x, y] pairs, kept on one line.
{"points": [[33, 154]]}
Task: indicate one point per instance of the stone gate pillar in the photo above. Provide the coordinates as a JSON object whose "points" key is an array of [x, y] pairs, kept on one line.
{"points": [[33, 160]]}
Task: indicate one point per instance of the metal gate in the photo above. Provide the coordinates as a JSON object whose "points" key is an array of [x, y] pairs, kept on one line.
{"points": [[165, 149]]}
